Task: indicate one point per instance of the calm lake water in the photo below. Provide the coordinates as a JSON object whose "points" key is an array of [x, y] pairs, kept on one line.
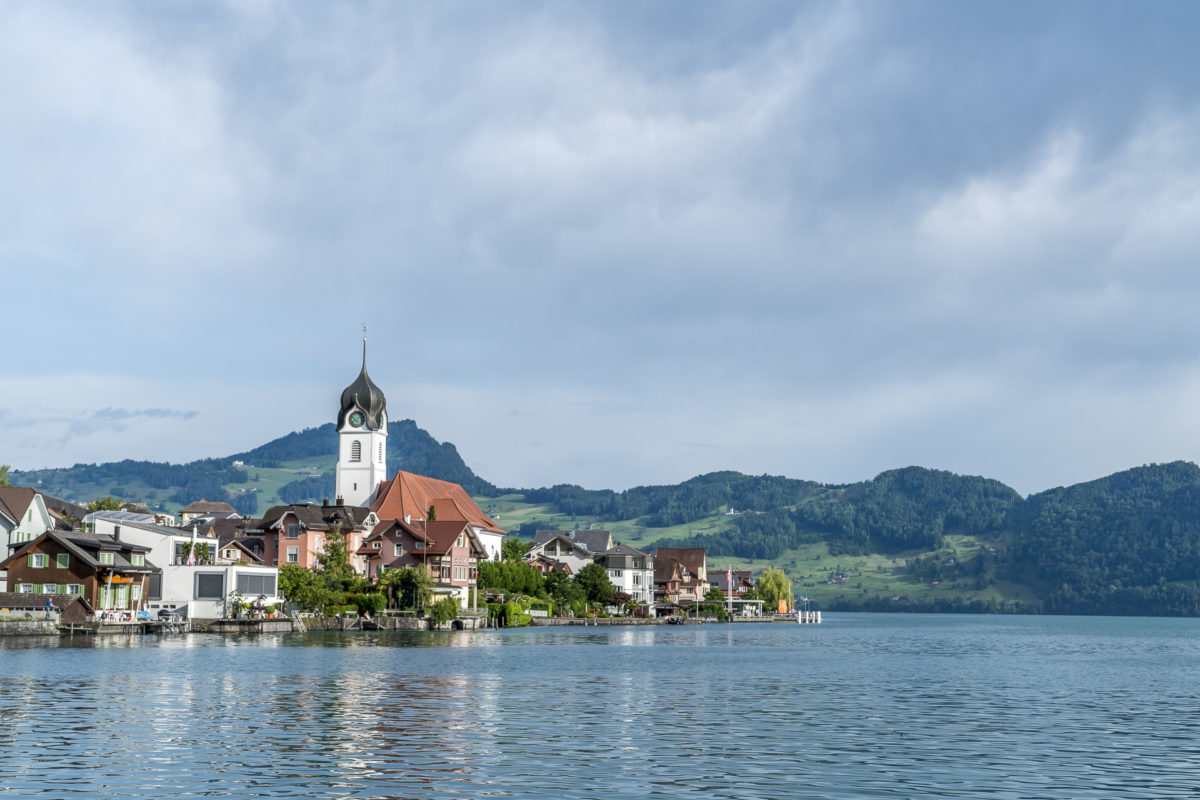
{"points": [[865, 705]]}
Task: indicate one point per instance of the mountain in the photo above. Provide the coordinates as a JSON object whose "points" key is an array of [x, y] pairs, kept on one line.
{"points": [[298, 467], [912, 538]]}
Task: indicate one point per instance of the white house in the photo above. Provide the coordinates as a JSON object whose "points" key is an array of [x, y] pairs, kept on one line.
{"points": [[631, 571], [194, 583], [23, 518]]}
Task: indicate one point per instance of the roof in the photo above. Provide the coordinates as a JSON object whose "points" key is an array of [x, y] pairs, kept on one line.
{"points": [[694, 558], [316, 518], [20, 600], [86, 547], [122, 516], [594, 542], [667, 570], [224, 528], [410, 494], [364, 396], [15, 501], [440, 535], [207, 507]]}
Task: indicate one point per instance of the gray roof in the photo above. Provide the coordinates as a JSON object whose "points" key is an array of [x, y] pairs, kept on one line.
{"points": [[87, 548], [317, 518], [594, 542]]}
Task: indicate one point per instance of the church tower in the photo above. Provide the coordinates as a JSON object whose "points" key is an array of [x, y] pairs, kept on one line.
{"points": [[362, 440]]}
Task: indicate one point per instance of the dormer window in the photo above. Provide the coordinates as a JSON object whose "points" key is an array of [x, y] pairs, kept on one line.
{"points": [[106, 558], [137, 560], [377, 545]]}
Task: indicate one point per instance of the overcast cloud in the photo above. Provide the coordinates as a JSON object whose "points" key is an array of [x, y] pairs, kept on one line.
{"points": [[608, 244]]}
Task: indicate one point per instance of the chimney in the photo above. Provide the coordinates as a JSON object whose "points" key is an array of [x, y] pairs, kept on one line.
{"points": [[325, 501], [408, 519], [117, 532], [340, 501]]}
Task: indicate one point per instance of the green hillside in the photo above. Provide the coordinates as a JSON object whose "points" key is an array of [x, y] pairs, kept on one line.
{"points": [[908, 539]]}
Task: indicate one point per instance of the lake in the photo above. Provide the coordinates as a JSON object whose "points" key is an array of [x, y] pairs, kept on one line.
{"points": [[864, 705]]}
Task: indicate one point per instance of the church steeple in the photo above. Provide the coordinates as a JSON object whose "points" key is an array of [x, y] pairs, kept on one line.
{"points": [[365, 397], [362, 434]]}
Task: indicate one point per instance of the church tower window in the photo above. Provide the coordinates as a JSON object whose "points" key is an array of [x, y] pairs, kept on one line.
{"points": [[356, 450]]}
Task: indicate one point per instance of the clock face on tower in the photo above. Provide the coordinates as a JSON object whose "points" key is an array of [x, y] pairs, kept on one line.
{"points": [[356, 419]]}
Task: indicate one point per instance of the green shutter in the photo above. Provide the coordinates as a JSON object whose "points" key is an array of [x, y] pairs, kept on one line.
{"points": [[64, 560], [29, 560]]}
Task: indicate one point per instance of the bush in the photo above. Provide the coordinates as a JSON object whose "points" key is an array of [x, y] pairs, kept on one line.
{"points": [[541, 605], [515, 616], [373, 603], [443, 611]]}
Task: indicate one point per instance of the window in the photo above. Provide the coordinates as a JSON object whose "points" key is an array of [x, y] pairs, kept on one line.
{"points": [[418, 545], [637, 579], [26, 588], [73, 588], [356, 450], [210, 585], [293, 555], [377, 545], [137, 559], [154, 587], [615, 573], [36, 560], [462, 540], [49, 588], [63, 560], [381, 452], [250, 584], [106, 558], [399, 550], [135, 593], [293, 530]]}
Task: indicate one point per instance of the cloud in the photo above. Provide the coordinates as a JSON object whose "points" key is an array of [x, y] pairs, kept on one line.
{"points": [[118, 420]]}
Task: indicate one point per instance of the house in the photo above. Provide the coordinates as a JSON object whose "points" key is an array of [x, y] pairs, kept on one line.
{"points": [[296, 534], [108, 574], [448, 550], [67, 515], [575, 549], [194, 582], [732, 582], [546, 565], [690, 581], [410, 496], [202, 507], [23, 517], [631, 571]]}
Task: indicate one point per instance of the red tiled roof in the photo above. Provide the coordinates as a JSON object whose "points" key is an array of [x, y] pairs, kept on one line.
{"points": [[412, 494]]}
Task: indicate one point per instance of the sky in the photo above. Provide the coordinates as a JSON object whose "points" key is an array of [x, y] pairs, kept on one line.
{"points": [[608, 244]]}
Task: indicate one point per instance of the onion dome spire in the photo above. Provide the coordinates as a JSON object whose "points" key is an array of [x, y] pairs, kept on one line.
{"points": [[363, 396]]}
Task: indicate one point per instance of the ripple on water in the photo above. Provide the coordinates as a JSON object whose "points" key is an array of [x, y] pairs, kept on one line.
{"points": [[862, 706]]}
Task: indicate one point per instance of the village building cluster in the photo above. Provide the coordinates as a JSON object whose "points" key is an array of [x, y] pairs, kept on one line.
{"points": [[132, 564]]}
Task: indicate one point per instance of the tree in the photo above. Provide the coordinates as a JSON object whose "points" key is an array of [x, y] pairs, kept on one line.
{"points": [[715, 595], [304, 588], [597, 588], [562, 589], [774, 586], [408, 587], [431, 513], [109, 503], [513, 548], [4, 481], [335, 562]]}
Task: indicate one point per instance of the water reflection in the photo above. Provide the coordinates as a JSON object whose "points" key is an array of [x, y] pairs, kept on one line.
{"points": [[877, 706]]}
